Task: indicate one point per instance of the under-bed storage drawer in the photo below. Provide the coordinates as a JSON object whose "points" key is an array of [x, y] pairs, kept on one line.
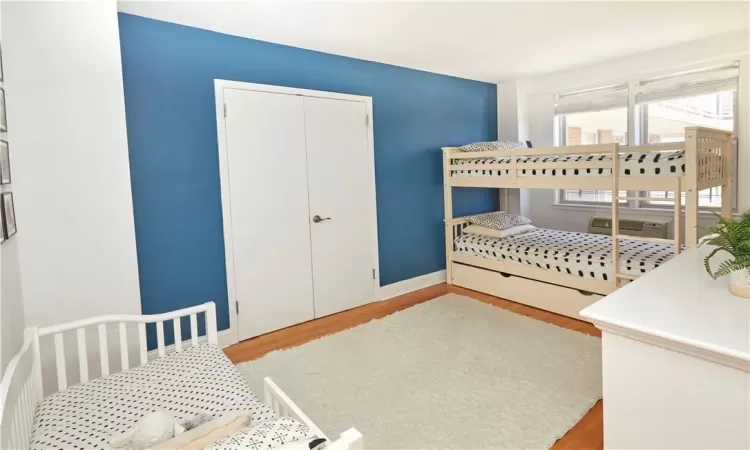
{"points": [[550, 297]]}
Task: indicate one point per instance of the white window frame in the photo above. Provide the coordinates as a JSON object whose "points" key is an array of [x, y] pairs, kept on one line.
{"points": [[560, 141], [638, 135]]}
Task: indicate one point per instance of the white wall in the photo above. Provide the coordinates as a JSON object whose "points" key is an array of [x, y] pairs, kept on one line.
{"points": [[11, 306], [71, 175], [534, 111]]}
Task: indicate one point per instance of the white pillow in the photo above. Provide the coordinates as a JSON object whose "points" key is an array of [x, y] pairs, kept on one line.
{"points": [[492, 145], [491, 232], [499, 220]]}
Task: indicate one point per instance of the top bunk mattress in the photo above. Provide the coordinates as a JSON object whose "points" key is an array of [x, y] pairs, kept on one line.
{"points": [[664, 163], [579, 254]]}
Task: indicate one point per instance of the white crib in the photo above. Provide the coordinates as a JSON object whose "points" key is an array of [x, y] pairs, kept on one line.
{"points": [[21, 388]]}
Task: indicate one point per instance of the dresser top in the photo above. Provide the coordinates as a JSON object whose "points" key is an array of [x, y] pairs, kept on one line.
{"points": [[680, 303]]}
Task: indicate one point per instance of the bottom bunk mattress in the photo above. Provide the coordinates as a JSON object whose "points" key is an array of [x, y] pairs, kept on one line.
{"points": [[580, 254], [195, 380]]}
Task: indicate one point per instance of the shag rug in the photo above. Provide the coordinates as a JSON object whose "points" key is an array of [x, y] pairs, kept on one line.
{"points": [[451, 373]]}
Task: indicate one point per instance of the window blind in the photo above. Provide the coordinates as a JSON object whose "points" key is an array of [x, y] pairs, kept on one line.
{"points": [[598, 99], [699, 82]]}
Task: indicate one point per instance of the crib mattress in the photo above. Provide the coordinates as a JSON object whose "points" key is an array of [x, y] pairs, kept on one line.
{"points": [[669, 163], [579, 254], [196, 380]]}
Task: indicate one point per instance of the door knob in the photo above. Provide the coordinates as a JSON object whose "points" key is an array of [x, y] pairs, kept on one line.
{"points": [[318, 219]]}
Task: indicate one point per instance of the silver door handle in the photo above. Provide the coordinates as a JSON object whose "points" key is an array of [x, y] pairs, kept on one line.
{"points": [[318, 219]]}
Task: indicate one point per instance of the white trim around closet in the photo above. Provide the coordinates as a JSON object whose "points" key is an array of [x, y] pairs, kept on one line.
{"points": [[219, 86]]}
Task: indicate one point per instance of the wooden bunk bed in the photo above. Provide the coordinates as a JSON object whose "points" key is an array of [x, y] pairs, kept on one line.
{"points": [[707, 157]]}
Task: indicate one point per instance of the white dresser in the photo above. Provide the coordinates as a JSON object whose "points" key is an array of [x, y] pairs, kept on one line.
{"points": [[675, 360]]}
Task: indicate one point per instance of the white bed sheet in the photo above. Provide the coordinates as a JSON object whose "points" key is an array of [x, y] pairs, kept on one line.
{"points": [[580, 254]]}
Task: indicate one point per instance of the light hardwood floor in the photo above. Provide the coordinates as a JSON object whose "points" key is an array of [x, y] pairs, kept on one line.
{"points": [[587, 434]]}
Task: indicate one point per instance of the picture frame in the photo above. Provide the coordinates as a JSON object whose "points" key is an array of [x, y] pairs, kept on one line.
{"points": [[2, 231], [4, 162], [9, 215], [3, 116], [1, 62]]}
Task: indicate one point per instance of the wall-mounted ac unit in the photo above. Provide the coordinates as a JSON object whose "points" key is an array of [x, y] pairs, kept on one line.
{"points": [[631, 227]]}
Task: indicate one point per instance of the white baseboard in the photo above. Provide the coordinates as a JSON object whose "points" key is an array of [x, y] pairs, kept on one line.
{"points": [[224, 338], [411, 285], [227, 337]]}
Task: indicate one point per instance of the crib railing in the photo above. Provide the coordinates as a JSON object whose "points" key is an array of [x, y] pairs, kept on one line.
{"points": [[21, 388], [20, 392], [350, 439], [274, 397], [80, 329]]}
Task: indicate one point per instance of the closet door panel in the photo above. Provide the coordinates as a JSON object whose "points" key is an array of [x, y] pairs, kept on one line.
{"points": [[339, 186], [269, 207]]}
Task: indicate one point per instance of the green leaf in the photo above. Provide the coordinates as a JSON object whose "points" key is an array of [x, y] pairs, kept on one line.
{"points": [[707, 261], [732, 237], [730, 266]]}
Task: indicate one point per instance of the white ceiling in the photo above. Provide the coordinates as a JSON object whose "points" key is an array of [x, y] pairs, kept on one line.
{"points": [[483, 41]]}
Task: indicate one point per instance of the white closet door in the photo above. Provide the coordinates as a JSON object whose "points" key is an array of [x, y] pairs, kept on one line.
{"points": [[269, 207], [339, 185]]}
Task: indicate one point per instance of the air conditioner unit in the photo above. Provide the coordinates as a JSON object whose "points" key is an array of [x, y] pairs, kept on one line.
{"points": [[631, 227]]}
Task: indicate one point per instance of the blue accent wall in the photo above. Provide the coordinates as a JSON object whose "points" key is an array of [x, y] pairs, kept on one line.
{"points": [[168, 73]]}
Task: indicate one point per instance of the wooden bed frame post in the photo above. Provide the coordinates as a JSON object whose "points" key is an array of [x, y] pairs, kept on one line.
{"points": [[448, 221], [677, 225], [691, 187], [727, 189], [615, 213]]}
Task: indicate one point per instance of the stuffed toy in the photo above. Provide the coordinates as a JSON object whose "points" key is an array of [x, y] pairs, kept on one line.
{"points": [[155, 428]]}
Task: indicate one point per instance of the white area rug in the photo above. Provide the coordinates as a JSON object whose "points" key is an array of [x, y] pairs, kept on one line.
{"points": [[451, 373]]}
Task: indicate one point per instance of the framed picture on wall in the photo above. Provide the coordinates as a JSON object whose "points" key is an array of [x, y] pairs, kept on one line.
{"points": [[9, 215], [3, 117], [4, 163], [2, 231], [1, 62]]}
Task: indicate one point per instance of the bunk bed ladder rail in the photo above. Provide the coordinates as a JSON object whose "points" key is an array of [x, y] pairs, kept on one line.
{"points": [[616, 236], [448, 218], [616, 275]]}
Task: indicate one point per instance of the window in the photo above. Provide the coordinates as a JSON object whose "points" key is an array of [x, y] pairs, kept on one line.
{"points": [[597, 116], [664, 106]]}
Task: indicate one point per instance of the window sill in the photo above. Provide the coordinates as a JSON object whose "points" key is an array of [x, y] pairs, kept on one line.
{"points": [[648, 212]]}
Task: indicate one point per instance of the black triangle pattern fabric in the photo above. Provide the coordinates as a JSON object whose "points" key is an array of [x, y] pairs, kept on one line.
{"points": [[265, 436]]}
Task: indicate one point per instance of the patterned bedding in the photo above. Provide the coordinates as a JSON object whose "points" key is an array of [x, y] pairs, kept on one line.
{"points": [[581, 254], [654, 163], [264, 436], [197, 379]]}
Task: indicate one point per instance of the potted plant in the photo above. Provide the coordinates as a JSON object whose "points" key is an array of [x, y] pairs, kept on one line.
{"points": [[732, 237]]}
